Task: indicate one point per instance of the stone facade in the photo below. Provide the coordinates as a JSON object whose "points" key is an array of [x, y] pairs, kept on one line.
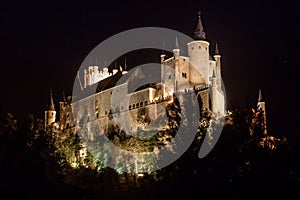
{"points": [[109, 105]]}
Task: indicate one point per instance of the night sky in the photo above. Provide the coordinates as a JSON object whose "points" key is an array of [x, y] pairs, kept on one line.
{"points": [[44, 43]]}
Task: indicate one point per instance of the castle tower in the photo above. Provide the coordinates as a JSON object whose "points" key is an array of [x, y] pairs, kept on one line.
{"points": [[50, 113], [85, 83], [162, 59], [261, 106], [176, 51], [176, 54], [214, 88], [198, 51], [62, 107], [217, 58]]}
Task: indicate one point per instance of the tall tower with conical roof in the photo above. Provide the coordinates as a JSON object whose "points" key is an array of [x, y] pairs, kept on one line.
{"points": [[261, 107], [50, 113], [198, 51], [214, 88], [217, 57]]}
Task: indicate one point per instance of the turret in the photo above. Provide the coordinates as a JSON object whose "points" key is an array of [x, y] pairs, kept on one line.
{"points": [[261, 107], [176, 54], [50, 113], [217, 58], [96, 77], [85, 81], [176, 50], [214, 88], [62, 105], [90, 75]]}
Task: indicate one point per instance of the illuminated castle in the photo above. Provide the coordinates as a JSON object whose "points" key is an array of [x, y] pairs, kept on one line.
{"points": [[197, 71]]}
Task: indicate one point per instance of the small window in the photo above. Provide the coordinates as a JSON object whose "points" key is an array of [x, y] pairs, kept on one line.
{"points": [[146, 102], [129, 107], [199, 47], [137, 105], [141, 104], [170, 76], [133, 107], [106, 112]]}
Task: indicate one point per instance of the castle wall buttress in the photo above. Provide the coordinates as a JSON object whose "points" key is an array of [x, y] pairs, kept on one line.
{"points": [[203, 97]]}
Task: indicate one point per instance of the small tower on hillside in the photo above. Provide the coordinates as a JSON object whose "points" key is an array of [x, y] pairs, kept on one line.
{"points": [[50, 113], [261, 107]]}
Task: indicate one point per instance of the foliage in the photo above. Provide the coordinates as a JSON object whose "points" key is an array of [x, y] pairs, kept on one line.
{"points": [[51, 158]]}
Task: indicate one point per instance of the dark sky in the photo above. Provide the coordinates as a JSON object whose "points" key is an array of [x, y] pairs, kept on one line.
{"points": [[44, 43]]}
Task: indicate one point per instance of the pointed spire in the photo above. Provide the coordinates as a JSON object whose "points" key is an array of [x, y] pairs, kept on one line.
{"points": [[260, 99], [176, 44], [217, 49], [51, 104], [199, 31]]}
